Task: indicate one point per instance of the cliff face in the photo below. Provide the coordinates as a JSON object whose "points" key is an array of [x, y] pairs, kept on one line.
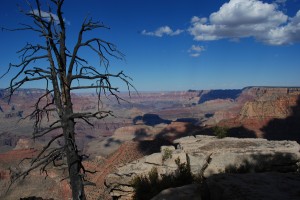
{"points": [[275, 108], [260, 106], [27, 93], [264, 102], [266, 93], [251, 103]]}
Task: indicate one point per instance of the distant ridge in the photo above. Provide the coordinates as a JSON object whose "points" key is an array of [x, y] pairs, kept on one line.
{"points": [[248, 87], [220, 94]]}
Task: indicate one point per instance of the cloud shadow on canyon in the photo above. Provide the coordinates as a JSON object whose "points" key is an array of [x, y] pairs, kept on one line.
{"points": [[150, 119], [164, 137], [173, 132]]}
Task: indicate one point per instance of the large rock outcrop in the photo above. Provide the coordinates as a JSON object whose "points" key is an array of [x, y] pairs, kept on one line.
{"points": [[240, 155], [209, 156], [119, 182], [249, 186]]}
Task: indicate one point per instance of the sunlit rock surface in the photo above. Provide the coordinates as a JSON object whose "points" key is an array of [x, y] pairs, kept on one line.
{"points": [[210, 156]]}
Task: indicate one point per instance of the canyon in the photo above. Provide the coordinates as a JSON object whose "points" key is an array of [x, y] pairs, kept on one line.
{"points": [[140, 127]]}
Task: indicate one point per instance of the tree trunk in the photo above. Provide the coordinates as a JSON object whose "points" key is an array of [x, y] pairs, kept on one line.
{"points": [[73, 159]]}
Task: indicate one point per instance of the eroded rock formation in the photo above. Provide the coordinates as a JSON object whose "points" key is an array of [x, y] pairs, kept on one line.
{"points": [[209, 156]]}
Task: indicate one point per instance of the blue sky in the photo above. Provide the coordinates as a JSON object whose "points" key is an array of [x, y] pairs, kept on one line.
{"points": [[181, 45]]}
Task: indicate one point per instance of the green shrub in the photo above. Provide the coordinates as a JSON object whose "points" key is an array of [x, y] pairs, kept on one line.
{"points": [[183, 173], [147, 186], [220, 132], [167, 154], [143, 185]]}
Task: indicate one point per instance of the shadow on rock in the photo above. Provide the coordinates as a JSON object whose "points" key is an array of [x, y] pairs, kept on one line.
{"points": [[194, 121], [238, 132], [220, 94], [151, 120], [284, 129], [266, 186], [173, 131], [255, 177], [277, 162], [112, 141], [141, 134]]}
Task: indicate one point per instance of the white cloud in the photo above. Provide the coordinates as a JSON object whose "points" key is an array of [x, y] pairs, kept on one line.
{"points": [[47, 16], [198, 19], [247, 12], [195, 54], [177, 32], [164, 30], [280, 1], [288, 34], [247, 18], [195, 50]]}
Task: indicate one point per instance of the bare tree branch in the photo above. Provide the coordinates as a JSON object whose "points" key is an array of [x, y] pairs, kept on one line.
{"points": [[46, 147], [38, 133], [53, 110]]}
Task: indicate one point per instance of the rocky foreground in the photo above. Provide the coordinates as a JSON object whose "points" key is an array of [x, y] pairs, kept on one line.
{"points": [[232, 169]]}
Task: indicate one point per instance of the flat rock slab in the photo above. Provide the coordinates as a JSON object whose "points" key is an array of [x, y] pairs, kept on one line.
{"points": [[241, 155], [201, 143]]}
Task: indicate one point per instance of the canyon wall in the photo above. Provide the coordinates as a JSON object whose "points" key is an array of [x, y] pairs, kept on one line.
{"points": [[267, 102]]}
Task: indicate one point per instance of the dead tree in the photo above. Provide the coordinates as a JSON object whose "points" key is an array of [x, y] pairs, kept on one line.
{"points": [[64, 67]]}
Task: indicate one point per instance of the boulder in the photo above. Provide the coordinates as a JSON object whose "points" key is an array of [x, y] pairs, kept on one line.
{"points": [[191, 192]]}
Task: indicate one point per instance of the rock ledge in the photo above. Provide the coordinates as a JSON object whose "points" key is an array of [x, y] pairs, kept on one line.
{"points": [[209, 156]]}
